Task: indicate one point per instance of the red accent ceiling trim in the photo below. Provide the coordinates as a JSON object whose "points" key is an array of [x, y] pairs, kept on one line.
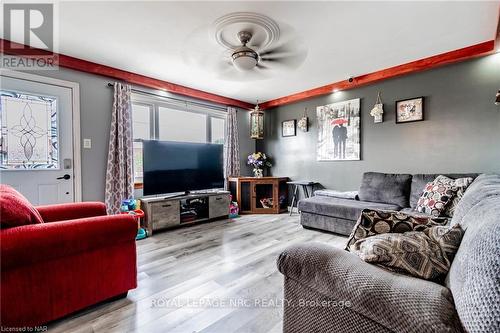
{"points": [[465, 53], [7, 47]]}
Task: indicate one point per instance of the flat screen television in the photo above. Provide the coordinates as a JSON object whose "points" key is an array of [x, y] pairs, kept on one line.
{"points": [[171, 167]]}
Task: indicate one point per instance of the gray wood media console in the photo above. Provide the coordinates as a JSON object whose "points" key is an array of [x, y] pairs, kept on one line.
{"points": [[165, 212]]}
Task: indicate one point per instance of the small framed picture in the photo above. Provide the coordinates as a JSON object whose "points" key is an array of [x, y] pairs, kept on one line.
{"points": [[288, 128], [410, 110]]}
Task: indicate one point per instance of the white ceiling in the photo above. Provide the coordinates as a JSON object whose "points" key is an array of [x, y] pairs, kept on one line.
{"points": [[342, 38]]}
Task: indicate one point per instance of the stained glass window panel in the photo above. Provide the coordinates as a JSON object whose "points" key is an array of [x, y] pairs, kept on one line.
{"points": [[29, 134]]}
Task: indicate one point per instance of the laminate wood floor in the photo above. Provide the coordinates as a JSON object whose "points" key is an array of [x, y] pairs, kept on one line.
{"points": [[217, 277]]}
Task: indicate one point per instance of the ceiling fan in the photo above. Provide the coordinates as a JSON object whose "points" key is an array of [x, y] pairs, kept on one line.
{"points": [[244, 47], [245, 58]]}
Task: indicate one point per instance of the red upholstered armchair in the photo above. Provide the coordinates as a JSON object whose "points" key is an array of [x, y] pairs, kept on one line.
{"points": [[77, 257]]}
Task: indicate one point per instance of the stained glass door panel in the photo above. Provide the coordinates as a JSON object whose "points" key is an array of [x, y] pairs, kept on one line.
{"points": [[28, 131]]}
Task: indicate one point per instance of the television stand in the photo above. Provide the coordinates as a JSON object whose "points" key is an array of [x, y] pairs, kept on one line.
{"points": [[178, 210], [177, 195]]}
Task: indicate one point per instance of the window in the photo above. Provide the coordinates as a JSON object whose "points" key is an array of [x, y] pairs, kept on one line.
{"points": [[29, 131], [217, 127], [159, 119], [183, 126], [141, 121], [142, 129]]}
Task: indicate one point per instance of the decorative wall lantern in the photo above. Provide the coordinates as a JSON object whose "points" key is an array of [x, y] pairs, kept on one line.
{"points": [[256, 123], [303, 123], [378, 110]]}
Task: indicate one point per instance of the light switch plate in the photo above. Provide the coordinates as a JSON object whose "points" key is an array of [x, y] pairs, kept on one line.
{"points": [[87, 143]]}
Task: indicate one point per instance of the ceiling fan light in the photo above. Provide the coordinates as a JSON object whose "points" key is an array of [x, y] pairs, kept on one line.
{"points": [[244, 58]]}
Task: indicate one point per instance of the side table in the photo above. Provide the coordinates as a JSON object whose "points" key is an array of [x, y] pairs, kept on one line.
{"points": [[305, 187]]}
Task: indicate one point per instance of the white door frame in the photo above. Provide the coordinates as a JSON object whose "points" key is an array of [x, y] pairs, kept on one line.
{"points": [[75, 100]]}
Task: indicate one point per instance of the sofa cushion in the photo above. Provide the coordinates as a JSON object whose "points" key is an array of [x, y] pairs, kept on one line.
{"points": [[474, 276], [328, 223], [386, 188], [424, 254], [374, 222], [436, 196], [418, 182], [15, 209], [336, 207]]}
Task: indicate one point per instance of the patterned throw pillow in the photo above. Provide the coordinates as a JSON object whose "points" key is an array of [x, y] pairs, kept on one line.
{"points": [[448, 239], [461, 184], [436, 196], [427, 255], [373, 222]]}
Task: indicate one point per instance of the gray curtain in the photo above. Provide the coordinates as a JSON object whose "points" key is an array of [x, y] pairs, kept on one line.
{"points": [[231, 146], [119, 172]]}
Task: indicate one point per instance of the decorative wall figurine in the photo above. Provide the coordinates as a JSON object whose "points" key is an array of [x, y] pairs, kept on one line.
{"points": [[303, 122], [378, 110]]}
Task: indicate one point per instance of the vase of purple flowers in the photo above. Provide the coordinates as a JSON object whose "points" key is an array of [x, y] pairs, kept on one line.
{"points": [[259, 161]]}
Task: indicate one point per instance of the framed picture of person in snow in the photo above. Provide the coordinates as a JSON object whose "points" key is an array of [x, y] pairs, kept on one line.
{"points": [[339, 131]]}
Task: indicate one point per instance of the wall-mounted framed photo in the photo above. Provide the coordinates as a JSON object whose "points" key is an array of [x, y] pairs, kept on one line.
{"points": [[339, 131], [410, 110], [289, 127]]}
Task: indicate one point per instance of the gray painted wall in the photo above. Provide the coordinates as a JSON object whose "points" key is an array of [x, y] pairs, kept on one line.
{"points": [[247, 145], [95, 112], [461, 131]]}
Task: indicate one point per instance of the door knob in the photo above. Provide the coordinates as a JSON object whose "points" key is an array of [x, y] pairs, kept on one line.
{"points": [[65, 177]]}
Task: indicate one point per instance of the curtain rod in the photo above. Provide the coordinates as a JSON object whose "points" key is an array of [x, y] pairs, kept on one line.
{"points": [[214, 107]]}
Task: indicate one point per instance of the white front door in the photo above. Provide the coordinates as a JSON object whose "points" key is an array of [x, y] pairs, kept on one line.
{"points": [[37, 148]]}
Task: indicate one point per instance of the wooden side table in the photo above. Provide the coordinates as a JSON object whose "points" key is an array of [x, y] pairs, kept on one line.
{"points": [[265, 195]]}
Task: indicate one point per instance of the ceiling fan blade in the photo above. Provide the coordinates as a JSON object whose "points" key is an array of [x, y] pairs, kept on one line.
{"points": [[289, 51], [285, 62], [277, 55], [289, 42], [277, 50]]}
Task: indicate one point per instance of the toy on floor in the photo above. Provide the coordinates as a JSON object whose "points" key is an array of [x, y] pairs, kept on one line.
{"points": [[132, 207], [233, 209]]}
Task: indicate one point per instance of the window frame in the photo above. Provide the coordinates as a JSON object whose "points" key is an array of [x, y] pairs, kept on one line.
{"points": [[157, 102]]}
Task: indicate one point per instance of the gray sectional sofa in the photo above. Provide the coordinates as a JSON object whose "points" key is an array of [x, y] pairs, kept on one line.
{"points": [[377, 191], [331, 290]]}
